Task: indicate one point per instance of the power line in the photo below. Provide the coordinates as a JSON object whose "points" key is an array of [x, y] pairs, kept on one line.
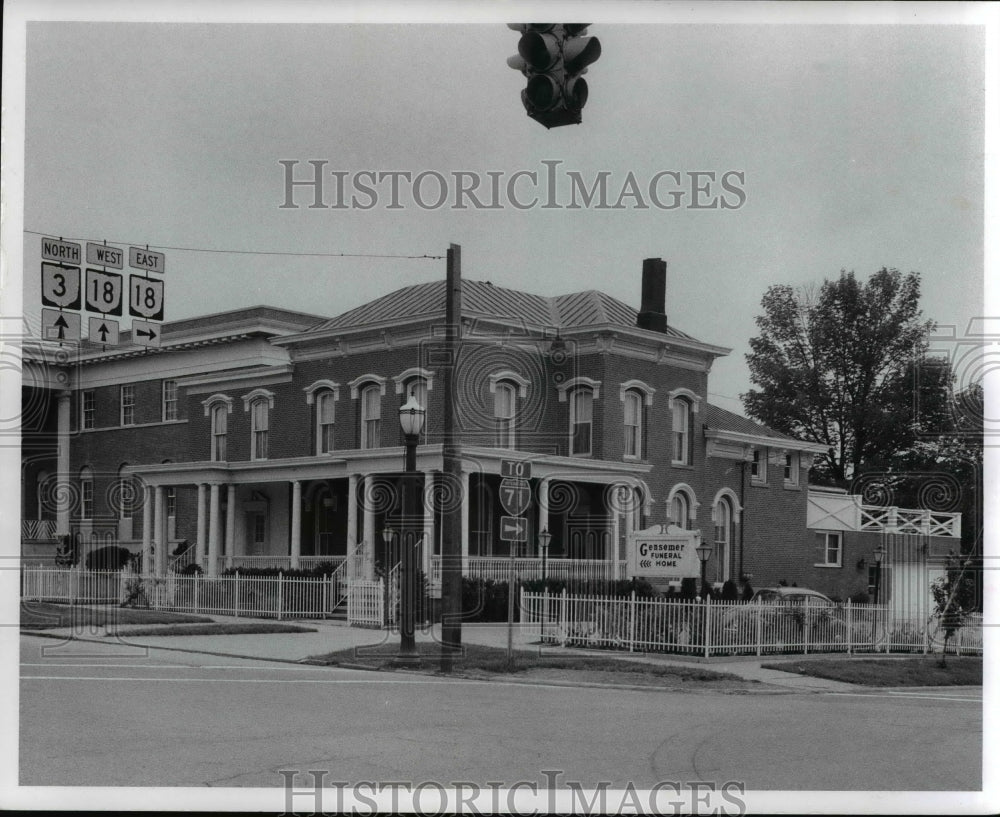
{"points": [[253, 252]]}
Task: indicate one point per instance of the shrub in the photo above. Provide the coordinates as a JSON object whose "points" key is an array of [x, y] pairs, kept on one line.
{"points": [[191, 569], [109, 557], [730, 592]]}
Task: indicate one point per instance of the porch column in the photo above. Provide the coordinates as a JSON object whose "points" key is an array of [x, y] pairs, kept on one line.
{"points": [[62, 462], [230, 523], [429, 529], [296, 543], [466, 501], [200, 541], [160, 530], [147, 530], [213, 530], [352, 514], [368, 533]]}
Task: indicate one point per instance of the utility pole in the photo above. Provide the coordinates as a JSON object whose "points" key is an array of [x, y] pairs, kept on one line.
{"points": [[451, 534]]}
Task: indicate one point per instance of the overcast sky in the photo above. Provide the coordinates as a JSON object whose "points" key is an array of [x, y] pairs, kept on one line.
{"points": [[860, 146]]}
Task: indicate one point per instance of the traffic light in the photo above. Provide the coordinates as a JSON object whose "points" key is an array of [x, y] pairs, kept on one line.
{"points": [[553, 57]]}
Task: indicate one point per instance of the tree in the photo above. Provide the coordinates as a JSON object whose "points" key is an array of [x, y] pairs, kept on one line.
{"points": [[837, 367], [954, 598]]}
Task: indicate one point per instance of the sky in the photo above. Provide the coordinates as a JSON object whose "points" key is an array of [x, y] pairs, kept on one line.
{"points": [[857, 147]]}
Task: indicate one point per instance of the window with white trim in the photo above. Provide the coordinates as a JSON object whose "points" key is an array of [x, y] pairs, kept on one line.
{"points": [[829, 547], [680, 513], [723, 537], [504, 413], [681, 416], [581, 421], [169, 400], [791, 468], [371, 416], [128, 404], [633, 425], [87, 409], [220, 424], [259, 428], [86, 493], [758, 466], [325, 417], [171, 497]]}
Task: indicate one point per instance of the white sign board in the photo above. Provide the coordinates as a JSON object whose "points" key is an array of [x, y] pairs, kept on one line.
{"points": [[671, 555], [145, 333], [105, 256], [103, 330], [146, 259], [58, 325], [66, 252]]}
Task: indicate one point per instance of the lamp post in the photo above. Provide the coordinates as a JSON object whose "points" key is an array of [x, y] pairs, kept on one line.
{"points": [[543, 540], [411, 421], [388, 534], [879, 555], [704, 551]]}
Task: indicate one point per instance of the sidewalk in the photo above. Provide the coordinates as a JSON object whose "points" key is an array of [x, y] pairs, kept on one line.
{"points": [[333, 636]]}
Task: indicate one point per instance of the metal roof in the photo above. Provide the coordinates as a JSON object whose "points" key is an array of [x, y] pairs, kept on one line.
{"points": [[482, 299], [719, 418]]}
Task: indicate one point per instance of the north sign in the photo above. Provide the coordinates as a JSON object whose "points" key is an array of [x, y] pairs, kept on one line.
{"points": [[513, 529], [65, 252], [515, 495]]}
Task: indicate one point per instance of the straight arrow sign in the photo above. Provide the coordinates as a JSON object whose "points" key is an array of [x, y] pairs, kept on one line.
{"points": [[104, 331]]}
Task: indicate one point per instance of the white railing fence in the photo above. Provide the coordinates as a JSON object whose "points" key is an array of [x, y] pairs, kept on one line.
{"points": [[366, 603], [728, 628], [497, 568]]}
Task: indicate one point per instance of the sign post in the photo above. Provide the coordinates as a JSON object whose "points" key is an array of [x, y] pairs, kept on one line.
{"points": [[515, 497]]}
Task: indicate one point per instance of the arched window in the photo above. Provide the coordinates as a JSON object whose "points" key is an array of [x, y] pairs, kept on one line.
{"points": [[723, 537], [681, 415], [325, 416], [581, 421], [86, 493], [682, 507], [505, 413], [259, 428], [633, 425], [220, 423], [371, 416]]}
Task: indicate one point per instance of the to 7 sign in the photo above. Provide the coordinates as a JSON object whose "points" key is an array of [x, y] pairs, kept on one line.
{"points": [[517, 469], [145, 298]]}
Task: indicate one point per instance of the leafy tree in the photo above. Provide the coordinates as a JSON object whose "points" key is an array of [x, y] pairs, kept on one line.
{"points": [[954, 598], [836, 367]]}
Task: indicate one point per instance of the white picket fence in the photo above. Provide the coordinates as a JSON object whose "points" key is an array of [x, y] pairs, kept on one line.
{"points": [[727, 628], [498, 568]]}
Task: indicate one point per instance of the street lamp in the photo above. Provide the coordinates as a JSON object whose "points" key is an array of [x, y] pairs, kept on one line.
{"points": [[411, 421], [879, 555], [704, 551], [543, 540]]}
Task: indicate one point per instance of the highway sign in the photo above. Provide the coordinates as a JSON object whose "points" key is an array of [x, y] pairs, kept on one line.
{"points": [[146, 259], [145, 333], [105, 256], [145, 297], [61, 286], [104, 292], [64, 251], [58, 325], [513, 529], [103, 330], [515, 495], [519, 469]]}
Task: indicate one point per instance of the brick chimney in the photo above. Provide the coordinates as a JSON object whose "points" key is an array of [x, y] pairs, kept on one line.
{"points": [[652, 313]]}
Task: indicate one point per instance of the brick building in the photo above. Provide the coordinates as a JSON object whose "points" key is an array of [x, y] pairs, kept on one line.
{"points": [[265, 436]]}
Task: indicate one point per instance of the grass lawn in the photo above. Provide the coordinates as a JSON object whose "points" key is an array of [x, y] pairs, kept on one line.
{"points": [[219, 628], [891, 672], [43, 615], [480, 660]]}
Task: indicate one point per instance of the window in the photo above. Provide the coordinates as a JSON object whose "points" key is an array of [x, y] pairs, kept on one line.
{"points": [[324, 422], [220, 419], [86, 493], [169, 400], [258, 428], [792, 468], [633, 425], [723, 537], [87, 409], [829, 546], [128, 404], [682, 431], [371, 416], [171, 495], [758, 466], [680, 513], [504, 409], [581, 421]]}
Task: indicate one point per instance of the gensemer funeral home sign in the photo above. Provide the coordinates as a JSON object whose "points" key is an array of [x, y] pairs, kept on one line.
{"points": [[664, 554]]}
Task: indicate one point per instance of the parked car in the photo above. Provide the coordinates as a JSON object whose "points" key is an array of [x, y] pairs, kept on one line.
{"points": [[788, 617]]}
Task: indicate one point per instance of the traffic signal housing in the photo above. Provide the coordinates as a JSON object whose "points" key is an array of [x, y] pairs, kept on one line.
{"points": [[553, 57]]}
